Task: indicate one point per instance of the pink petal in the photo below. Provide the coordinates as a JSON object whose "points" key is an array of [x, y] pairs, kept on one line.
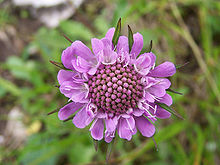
{"points": [[162, 113], [67, 57], [166, 99], [164, 82], [68, 110], [138, 44], [153, 58], [123, 44], [110, 125], [79, 96], [144, 126], [82, 50], [122, 132], [157, 90], [64, 75], [148, 97], [143, 64], [109, 136], [107, 56], [97, 45], [137, 112], [109, 35], [82, 119], [66, 88], [97, 129], [77, 92], [165, 69], [81, 65], [130, 123], [93, 70], [124, 126]]}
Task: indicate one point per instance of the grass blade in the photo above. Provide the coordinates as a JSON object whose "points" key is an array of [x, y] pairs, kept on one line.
{"points": [[10, 87], [165, 134]]}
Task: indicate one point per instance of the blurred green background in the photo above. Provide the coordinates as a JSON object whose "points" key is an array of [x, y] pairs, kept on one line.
{"points": [[182, 31]]}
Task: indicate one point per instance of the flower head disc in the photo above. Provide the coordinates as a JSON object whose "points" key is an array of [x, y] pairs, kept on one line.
{"points": [[113, 88]]}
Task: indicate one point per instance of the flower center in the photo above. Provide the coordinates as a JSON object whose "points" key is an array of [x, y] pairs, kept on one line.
{"points": [[115, 89]]}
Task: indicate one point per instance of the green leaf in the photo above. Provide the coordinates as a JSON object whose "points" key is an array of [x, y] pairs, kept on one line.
{"points": [[10, 87], [76, 30], [130, 38], [117, 33], [169, 109], [164, 134]]}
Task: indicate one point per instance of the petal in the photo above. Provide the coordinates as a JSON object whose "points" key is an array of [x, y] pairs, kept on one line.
{"points": [[123, 44], [66, 88], [64, 75], [144, 126], [68, 110], [148, 97], [107, 55], [77, 92], [82, 119], [137, 45], [164, 82], [153, 58], [81, 65], [97, 45], [110, 125], [166, 99], [143, 64], [162, 113], [82, 50], [137, 112], [130, 123], [84, 66], [79, 96], [157, 90], [97, 129], [165, 69], [108, 138], [67, 57], [92, 70], [123, 129], [110, 33], [124, 133]]}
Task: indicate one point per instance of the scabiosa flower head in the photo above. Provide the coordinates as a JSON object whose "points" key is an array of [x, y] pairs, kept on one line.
{"points": [[114, 87]]}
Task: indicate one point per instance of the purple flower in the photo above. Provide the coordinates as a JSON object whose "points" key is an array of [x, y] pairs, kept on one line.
{"points": [[113, 88]]}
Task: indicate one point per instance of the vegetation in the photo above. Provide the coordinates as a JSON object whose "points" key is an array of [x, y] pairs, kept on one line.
{"points": [[182, 31]]}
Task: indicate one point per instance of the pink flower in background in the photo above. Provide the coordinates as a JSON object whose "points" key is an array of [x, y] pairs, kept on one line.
{"points": [[114, 89]]}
